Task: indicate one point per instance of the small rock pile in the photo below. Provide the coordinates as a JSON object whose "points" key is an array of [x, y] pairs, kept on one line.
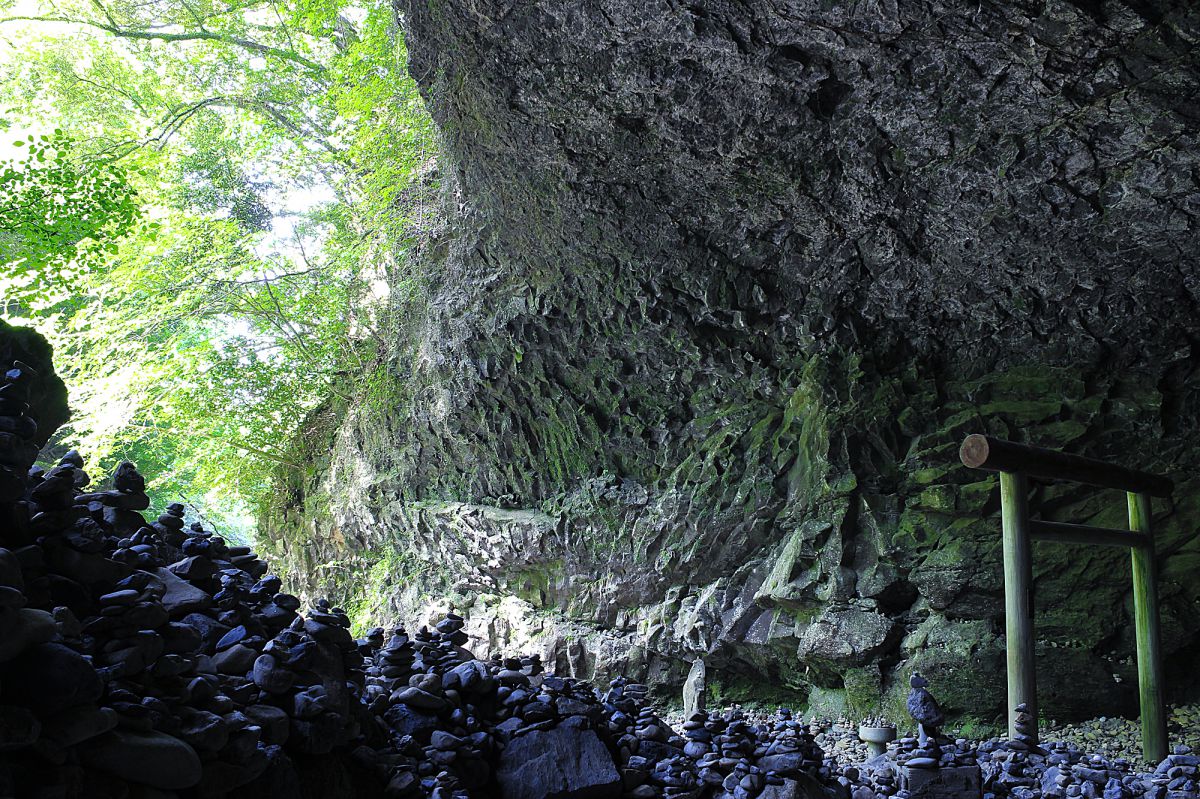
{"points": [[468, 727], [1066, 771], [1115, 737], [1014, 768], [945, 753]]}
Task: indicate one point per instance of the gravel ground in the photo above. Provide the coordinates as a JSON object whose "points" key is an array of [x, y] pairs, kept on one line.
{"points": [[1094, 758], [1110, 737], [1122, 738]]}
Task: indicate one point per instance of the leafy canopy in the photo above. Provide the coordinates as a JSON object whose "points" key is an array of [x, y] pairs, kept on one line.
{"points": [[207, 213], [56, 213]]}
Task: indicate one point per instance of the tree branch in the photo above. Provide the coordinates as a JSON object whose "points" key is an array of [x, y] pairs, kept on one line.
{"points": [[188, 36], [101, 86], [268, 455]]}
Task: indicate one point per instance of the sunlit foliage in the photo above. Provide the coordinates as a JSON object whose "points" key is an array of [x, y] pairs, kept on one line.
{"points": [[208, 206]]}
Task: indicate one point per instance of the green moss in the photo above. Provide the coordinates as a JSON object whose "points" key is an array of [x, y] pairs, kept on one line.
{"points": [[536, 584], [1023, 412], [917, 530], [863, 691], [765, 464], [977, 729], [930, 475], [827, 703], [383, 390], [365, 585], [973, 496], [938, 498], [726, 689]]}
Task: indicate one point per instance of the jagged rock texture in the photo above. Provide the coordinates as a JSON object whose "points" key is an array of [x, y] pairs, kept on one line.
{"points": [[47, 393], [721, 287]]}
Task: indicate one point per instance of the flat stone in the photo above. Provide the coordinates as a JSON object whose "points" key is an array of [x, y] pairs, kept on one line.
{"points": [[327, 633], [404, 720], [79, 724], [126, 597], [422, 700], [960, 782], [236, 635], [236, 659], [181, 597], [210, 630], [274, 722], [787, 765], [203, 730], [194, 568]]}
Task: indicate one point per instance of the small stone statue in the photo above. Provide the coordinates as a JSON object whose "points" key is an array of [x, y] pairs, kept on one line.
{"points": [[929, 717]]}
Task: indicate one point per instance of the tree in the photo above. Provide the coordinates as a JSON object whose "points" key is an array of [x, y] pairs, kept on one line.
{"points": [[273, 153]]}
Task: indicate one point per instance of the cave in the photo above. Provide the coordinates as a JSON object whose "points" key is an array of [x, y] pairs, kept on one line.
{"points": [[708, 297]]}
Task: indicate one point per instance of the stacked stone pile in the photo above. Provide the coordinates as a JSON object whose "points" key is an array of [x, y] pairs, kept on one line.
{"points": [[1115, 737], [141, 658], [1066, 771], [150, 658], [944, 752]]}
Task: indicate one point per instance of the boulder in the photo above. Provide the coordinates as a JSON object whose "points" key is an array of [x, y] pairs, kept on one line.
{"points": [[49, 677], [144, 757], [79, 724], [567, 762], [403, 720], [210, 630]]}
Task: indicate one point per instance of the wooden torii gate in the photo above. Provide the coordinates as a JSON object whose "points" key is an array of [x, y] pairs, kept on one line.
{"points": [[1016, 462]]}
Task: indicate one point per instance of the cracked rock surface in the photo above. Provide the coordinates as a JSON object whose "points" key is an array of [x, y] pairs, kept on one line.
{"points": [[718, 290]]}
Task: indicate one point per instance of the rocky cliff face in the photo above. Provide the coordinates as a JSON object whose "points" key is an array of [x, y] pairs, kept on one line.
{"points": [[721, 288]]}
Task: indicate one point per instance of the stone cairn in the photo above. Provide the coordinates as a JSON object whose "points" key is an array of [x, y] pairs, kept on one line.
{"points": [[1026, 725], [153, 660], [929, 718]]}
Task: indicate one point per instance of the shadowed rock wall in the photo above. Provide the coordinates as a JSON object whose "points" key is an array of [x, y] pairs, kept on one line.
{"points": [[721, 287], [47, 396]]}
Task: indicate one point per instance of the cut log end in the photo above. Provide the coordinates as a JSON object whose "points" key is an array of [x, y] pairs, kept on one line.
{"points": [[974, 451]]}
